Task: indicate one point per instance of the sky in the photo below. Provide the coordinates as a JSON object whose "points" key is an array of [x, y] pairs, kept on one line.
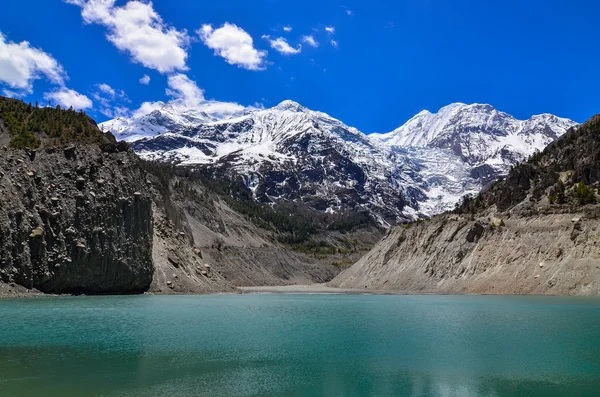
{"points": [[372, 64]]}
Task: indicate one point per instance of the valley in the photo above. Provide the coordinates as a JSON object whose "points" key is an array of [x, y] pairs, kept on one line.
{"points": [[289, 196]]}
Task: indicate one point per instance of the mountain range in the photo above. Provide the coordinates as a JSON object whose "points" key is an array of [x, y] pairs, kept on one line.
{"points": [[533, 232], [289, 153]]}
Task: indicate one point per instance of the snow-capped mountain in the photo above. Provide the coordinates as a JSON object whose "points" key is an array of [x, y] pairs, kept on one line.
{"points": [[291, 153], [463, 147], [480, 135], [158, 118], [294, 154]]}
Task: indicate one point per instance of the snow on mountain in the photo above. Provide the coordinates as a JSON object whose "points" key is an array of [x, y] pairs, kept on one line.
{"points": [[291, 153], [158, 118], [294, 154], [477, 133], [477, 141]]}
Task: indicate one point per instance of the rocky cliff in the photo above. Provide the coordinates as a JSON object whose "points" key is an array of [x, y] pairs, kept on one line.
{"points": [[75, 219], [81, 213], [534, 232]]}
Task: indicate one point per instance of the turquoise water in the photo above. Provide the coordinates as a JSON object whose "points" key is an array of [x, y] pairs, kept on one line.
{"points": [[300, 345]]}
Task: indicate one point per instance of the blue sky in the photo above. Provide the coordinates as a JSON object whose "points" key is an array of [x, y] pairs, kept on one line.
{"points": [[372, 64]]}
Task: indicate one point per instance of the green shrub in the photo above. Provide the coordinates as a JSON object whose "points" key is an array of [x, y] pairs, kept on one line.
{"points": [[584, 194]]}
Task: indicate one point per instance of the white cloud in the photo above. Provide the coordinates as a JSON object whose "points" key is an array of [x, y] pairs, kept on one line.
{"points": [[110, 101], [234, 45], [145, 80], [115, 111], [147, 108], [182, 87], [334, 43], [310, 40], [11, 94], [330, 29], [110, 92], [223, 108], [287, 28], [281, 45], [138, 29], [21, 65], [105, 88], [185, 91], [349, 12], [121, 111], [69, 98]]}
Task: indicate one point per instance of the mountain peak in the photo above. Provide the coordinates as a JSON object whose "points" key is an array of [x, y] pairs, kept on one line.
{"points": [[476, 132], [290, 105], [423, 167], [422, 113]]}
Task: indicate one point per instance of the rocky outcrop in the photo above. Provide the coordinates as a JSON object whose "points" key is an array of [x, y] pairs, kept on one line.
{"points": [[542, 254], [82, 214], [201, 245], [75, 219], [179, 266]]}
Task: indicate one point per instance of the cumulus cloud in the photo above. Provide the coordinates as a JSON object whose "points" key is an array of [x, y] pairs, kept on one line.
{"points": [[234, 44], [139, 30], [145, 80], [147, 108], [182, 87], [69, 98], [287, 28], [21, 64], [281, 45], [334, 43], [221, 108], [330, 29], [310, 40], [185, 91]]}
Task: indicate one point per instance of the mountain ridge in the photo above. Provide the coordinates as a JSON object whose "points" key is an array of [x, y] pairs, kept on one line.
{"points": [[395, 183], [533, 232]]}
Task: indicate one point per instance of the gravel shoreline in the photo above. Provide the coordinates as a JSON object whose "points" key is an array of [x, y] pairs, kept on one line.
{"points": [[317, 289]]}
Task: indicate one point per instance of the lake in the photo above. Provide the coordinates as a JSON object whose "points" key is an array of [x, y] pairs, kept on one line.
{"points": [[300, 345]]}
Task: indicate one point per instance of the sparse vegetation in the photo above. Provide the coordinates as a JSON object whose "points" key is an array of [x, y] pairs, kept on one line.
{"points": [[584, 194], [566, 172], [29, 125], [316, 247], [293, 224], [346, 262]]}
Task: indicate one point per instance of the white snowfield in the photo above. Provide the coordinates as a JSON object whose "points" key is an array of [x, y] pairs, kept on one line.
{"points": [[423, 167]]}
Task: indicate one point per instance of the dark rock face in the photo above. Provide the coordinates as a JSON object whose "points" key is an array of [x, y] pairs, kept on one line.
{"points": [[77, 220]]}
